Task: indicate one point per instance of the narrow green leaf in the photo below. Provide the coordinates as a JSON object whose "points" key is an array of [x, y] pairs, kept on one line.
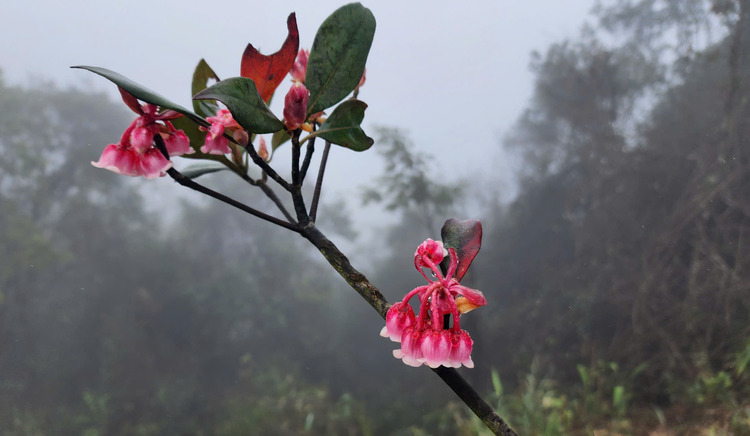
{"points": [[248, 109], [140, 92], [338, 55], [196, 170], [343, 126], [201, 76]]}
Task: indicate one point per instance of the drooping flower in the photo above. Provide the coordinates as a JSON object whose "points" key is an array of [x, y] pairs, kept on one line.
{"points": [[428, 338], [136, 153], [299, 69], [295, 106]]}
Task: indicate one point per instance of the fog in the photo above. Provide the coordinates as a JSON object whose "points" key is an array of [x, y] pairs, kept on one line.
{"points": [[604, 151]]}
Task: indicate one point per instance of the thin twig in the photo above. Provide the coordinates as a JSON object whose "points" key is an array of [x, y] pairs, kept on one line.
{"points": [[319, 183], [189, 183], [296, 182], [272, 195], [308, 157], [266, 168]]}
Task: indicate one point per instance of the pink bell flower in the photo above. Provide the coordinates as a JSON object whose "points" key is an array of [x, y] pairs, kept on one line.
{"points": [[295, 106], [136, 153], [426, 338]]}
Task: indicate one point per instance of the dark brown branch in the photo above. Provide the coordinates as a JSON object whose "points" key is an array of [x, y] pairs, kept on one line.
{"points": [[375, 298], [319, 183], [296, 182]]}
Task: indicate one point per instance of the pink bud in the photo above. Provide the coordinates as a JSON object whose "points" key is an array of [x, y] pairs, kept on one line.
{"points": [[262, 149], [299, 69], [295, 106], [362, 80], [429, 250]]}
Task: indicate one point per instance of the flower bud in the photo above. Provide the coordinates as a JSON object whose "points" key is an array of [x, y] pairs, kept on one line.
{"points": [[295, 106], [299, 69]]}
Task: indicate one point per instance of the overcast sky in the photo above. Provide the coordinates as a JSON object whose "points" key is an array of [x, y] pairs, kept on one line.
{"points": [[453, 73]]}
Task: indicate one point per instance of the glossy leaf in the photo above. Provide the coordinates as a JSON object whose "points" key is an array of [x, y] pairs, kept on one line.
{"points": [[466, 238], [196, 170], [140, 92], [268, 71], [240, 95], [201, 76], [342, 127], [338, 55]]}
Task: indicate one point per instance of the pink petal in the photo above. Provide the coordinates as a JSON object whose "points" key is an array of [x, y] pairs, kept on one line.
{"points": [[177, 143], [461, 345], [153, 164], [411, 347], [436, 348], [299, 69], [475, 297], [118, 159], [141, 139], [216, 144]]}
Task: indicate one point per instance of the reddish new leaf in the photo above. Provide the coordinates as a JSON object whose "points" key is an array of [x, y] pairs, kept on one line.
{"points": [[268, 71], [466, 237], [131, 101]]}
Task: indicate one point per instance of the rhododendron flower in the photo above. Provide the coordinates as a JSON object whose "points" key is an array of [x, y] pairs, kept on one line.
{"points": [[295, 106], [136, 154], [216, 142], [299, 69], [427, 338]]}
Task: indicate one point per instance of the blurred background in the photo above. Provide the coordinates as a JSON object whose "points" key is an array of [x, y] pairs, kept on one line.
{"points": [[611, 178]]}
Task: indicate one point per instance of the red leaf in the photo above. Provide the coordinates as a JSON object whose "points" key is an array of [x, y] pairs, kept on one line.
{"points": [[466, 237], [268, 71], [131, 101]]}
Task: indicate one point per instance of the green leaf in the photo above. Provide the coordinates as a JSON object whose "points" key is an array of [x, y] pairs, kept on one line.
{"points": [[343, 126], [141, 93], [248, 109], [496, 383], [196, 170], [201, 76], [338, 56]]}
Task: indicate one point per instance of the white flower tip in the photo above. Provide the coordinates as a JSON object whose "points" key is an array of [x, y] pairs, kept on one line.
{"points": [[384, 332]]}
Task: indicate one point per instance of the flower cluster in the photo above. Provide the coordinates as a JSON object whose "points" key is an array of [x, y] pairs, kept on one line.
{"points": [[428, 338], [136, 154], [216, 142]]}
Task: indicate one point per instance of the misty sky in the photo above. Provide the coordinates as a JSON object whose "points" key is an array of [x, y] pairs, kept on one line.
{"points": [[455, 74]]}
